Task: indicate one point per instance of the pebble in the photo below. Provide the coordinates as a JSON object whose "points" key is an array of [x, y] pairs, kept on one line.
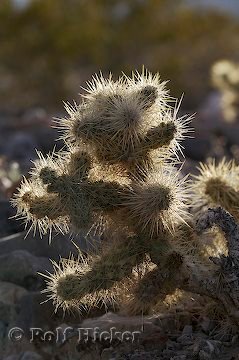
{"points": [[187, 330], [235, 339], [173, 345], [203, 355], [186, 337]]}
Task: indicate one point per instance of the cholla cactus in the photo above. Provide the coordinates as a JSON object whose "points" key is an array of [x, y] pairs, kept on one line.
{"points": [[118, 174], [217, 185], [225, 77], [119, 178]]}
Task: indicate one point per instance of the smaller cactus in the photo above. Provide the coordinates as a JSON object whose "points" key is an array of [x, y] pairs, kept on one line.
{"points": [[217, 185], [225, 77]]}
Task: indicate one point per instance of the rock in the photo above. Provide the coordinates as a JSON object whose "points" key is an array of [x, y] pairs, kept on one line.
{"points": [[166, 322], [10, 296], [235, 339], [33, 314], [142, 355], [168, 354], [203, 355], [107, 353], [157, 339], [20, 267], [3, 331], [27, 355], [187, 335], [7, 225], [88, 355], [7, 312], [205, 349], [187, 330], [30, 355], [213, 347], [185, 340], [173, 345], [61, 245], [12, 357], [197, 346], [207, 325], [10, 293], [123, 324], [36, 312]]}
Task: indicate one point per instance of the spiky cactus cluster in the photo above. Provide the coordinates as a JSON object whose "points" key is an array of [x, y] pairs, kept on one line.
{"points": [[225, 77], [217, 185], [119, 176]]}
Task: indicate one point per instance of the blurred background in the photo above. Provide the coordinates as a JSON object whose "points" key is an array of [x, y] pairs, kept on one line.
{"points": [[49, 48]]}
